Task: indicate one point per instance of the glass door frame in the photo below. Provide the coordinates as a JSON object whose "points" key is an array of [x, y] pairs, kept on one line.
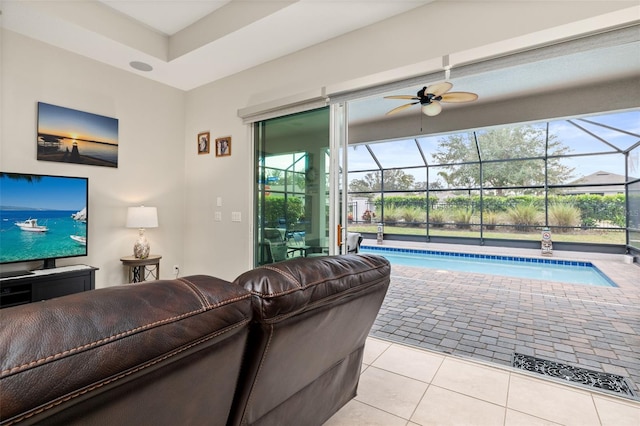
{"points": [[318, 208], [338, 177], [337, 182]]}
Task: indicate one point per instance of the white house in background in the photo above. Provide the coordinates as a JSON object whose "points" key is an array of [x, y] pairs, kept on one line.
{"points": [[604, 183]]}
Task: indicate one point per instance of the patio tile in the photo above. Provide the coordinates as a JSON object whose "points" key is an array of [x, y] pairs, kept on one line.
{"points": [[409, 362], [516, 418], [355, 413], [552, 402], [614, 412], [444, 407], [398, 394], [488, 384], [373, 348]]}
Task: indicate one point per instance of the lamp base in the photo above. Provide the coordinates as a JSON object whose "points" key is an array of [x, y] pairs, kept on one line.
{"points": [[141, 247]]}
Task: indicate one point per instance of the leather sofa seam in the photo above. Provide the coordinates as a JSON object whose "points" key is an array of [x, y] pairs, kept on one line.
{"points": [[125, 374], [286, 274], [312, 305], [258, 373], [311, 284], [196, 290], [12, 370]]}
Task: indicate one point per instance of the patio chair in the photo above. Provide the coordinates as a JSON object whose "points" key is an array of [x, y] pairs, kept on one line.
{"points": [[296, 234], [354, 239], [278, 251], [298, 238], [276, 244]]}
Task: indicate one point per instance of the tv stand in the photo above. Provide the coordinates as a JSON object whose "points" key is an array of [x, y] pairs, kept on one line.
{"points": [[49, 264], [46, 284], [10, 274]]}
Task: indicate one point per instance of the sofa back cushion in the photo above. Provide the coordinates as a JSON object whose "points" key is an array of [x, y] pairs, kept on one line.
{"points": [[311, 320], [152, 353]]}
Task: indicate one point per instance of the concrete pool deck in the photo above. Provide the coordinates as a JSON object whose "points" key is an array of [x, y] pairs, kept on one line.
{"points": [[489, 317]]}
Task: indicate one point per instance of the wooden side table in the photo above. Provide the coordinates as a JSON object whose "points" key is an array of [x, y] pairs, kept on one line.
{"points": [[141, 269]]}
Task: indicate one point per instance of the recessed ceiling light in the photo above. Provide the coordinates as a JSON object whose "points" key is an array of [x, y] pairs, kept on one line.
{"points": [[140, 66]]}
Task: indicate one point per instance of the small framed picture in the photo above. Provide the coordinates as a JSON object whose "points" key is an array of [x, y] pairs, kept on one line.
{"points": [[223, 146], [203, 143]]}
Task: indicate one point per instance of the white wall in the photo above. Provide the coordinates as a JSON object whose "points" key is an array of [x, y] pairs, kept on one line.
{"points": [[440, 28], [150, 154]]}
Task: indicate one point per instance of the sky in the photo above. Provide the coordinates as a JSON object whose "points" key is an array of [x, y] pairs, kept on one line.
{"points": [[49, 193], [404, 152]]}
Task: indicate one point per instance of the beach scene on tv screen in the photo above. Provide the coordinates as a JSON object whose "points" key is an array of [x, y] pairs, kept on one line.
{"points": [[42, 217]]}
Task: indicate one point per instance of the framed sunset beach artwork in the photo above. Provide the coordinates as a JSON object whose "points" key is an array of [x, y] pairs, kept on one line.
{"points": [[70, 136]]}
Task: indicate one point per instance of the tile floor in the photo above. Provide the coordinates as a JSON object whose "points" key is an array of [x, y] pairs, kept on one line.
{"points": [[402, 385]]}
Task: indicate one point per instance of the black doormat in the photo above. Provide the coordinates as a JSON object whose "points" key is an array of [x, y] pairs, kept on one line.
{"points": [[603, 381]]}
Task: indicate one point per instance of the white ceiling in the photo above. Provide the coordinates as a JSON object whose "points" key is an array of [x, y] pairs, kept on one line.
{"points": [[167, 17], [192, 42], [522, 78]]}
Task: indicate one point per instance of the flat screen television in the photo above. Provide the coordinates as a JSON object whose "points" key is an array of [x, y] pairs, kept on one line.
{"points": [[42, 218]]}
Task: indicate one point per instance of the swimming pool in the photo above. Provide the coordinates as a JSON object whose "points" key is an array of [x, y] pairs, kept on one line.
{"points": [[564, 271]]}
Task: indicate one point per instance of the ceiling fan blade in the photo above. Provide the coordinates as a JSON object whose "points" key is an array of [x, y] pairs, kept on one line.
{"points": [[459, 97], [439, 89], [432, 109], [401, 108], [409, 97]]}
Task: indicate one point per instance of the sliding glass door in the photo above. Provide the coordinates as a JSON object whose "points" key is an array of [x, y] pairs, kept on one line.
{"points": [[292, 188]]}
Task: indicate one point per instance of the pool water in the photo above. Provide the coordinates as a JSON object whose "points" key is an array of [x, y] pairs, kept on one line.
{"points": [[572, 272]]}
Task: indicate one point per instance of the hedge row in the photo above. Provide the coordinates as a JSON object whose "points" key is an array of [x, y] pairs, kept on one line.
{"points": [[277, 211], [593, 208]]}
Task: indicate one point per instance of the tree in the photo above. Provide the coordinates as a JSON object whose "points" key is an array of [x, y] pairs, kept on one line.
{"points": [[394, 180], [506, 143]]}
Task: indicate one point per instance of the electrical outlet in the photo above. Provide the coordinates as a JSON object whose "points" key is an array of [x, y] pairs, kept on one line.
{"points": [[176, 270]]}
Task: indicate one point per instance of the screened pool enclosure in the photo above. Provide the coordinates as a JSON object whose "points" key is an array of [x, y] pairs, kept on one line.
{"points": [[499, 185], [579, 177]]}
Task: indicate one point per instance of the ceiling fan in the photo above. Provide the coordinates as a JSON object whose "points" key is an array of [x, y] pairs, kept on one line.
{"points": [[431, 96]]}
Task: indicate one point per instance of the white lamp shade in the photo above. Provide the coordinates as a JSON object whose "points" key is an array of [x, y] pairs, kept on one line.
{"points": [[142, 217]]}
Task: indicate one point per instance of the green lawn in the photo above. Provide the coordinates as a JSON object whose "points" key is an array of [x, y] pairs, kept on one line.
{"points": [[587, 236]]}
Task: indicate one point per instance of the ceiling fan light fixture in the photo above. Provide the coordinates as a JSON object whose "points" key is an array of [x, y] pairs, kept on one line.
{"points": [[432, 109], [429, 97]]}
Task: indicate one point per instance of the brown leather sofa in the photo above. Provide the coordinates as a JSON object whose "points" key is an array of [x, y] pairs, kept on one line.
{"points": [[281, 345]]}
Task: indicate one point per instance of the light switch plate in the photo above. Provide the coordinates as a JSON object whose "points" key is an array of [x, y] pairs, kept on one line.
{"points": [[219, 202], [218, 216], [236, 217]]}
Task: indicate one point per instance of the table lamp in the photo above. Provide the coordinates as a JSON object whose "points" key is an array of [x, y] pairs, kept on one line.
{"points": [[142, 217]]}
